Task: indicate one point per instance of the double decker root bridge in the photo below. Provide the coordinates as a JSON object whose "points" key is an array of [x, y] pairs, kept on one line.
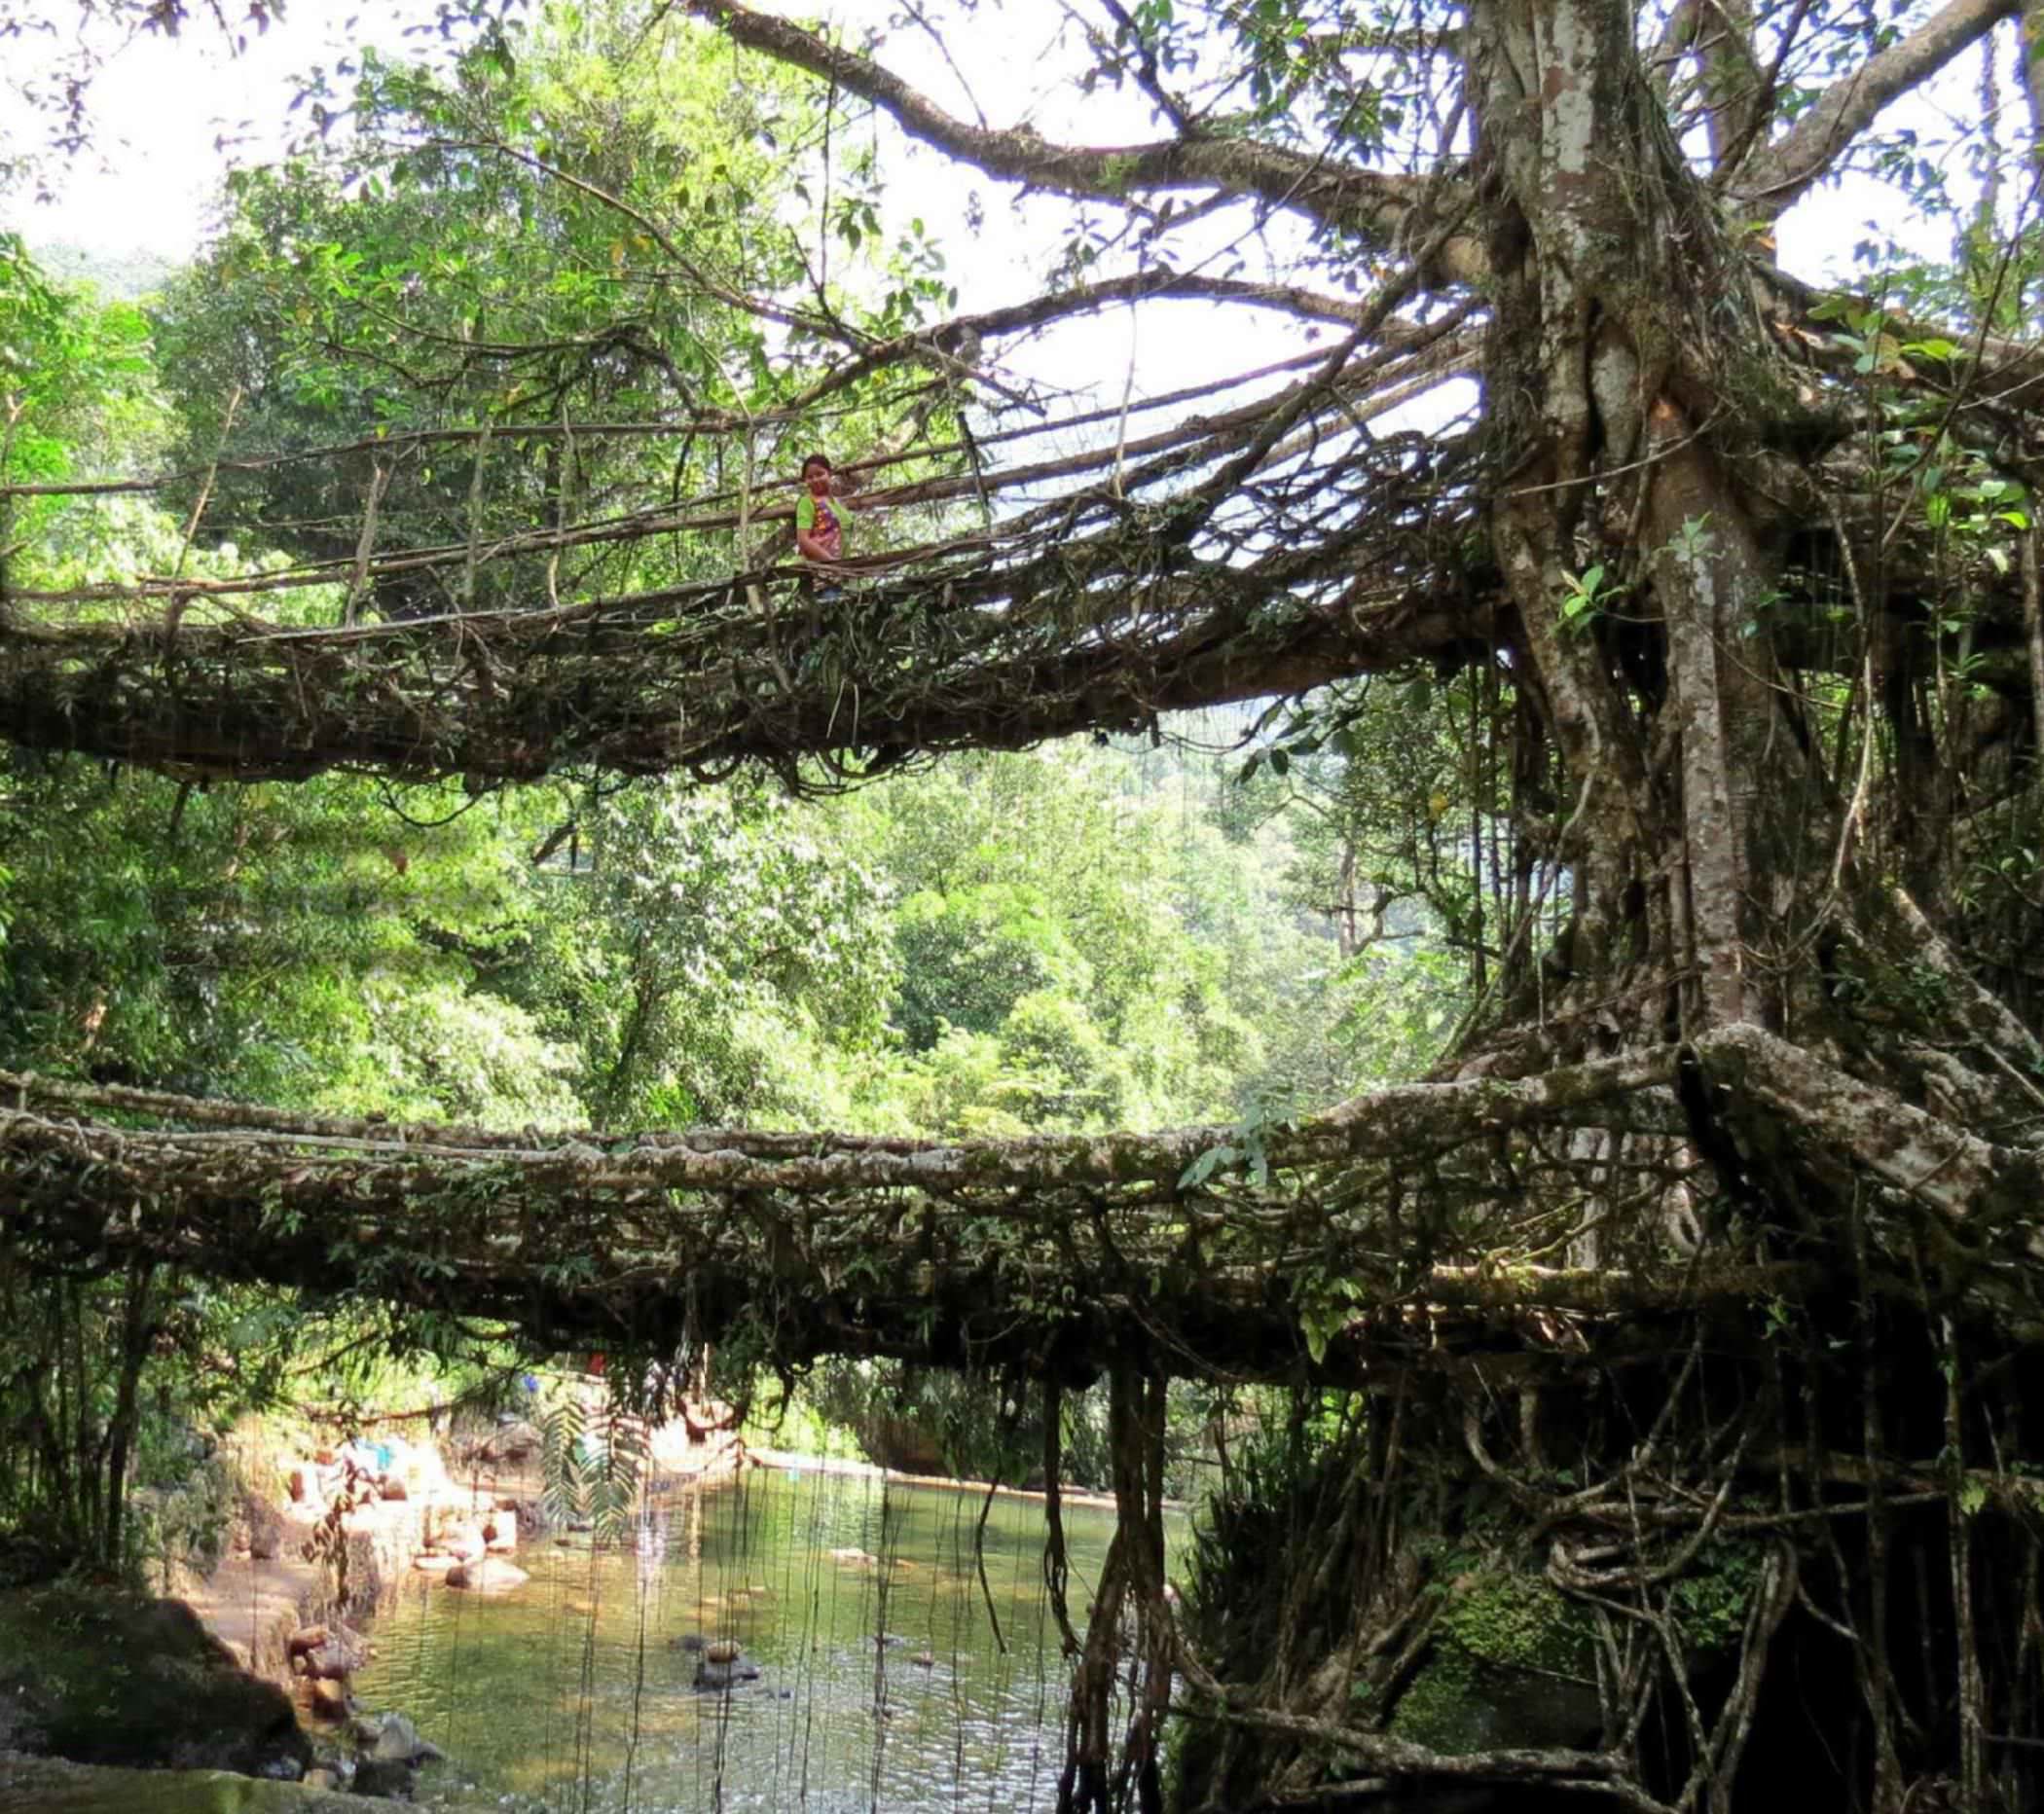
{"points": [[1703, 1109], [1389, 1232]]}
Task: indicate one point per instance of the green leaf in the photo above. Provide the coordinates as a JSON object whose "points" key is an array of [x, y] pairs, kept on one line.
{"points": [[1316, 1333], [1205, 1166]]}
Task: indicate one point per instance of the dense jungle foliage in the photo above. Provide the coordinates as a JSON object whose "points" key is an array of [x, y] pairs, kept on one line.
{"points": [[1111, 935], [1656, 612]]}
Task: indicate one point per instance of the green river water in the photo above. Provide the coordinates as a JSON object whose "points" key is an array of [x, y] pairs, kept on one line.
{"points": [[881, 1686]]}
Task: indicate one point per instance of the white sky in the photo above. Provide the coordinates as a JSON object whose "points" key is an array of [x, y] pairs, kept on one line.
{"points": [[162, 110]]}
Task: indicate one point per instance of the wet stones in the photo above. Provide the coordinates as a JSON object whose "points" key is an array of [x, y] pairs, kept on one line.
{"points": [[330, 1699], [488, 1575], [327, 1652], [723, 1666], [388, 1754]]}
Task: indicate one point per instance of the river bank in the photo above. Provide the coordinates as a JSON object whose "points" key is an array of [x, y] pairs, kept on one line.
{"points": [[327, 1533], [790, 1461], [335, 1553], [272, 1562], [268, 1586]]}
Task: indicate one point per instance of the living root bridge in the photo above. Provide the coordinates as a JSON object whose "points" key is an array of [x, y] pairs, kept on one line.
{"points": [[1364, 1236], [695, 679], [1084, 612]]}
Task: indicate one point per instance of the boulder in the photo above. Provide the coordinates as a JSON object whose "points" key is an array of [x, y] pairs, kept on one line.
{"points": [[465, 1543], [489, 1575], [714, 1678], [514, 1441], [330, 1699], [389, 1756], [435, 1562], [265, 1526], [102, 1677], [391, 1781], [392, 1738], [329, 1652]]}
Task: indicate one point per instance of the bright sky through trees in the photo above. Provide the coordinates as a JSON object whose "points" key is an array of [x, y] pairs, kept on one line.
{"points": [[169, 116]]}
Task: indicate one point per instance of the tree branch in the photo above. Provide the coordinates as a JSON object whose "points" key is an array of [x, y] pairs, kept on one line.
{"points": [[962, 331], [1780, 175], [1378, 209]]}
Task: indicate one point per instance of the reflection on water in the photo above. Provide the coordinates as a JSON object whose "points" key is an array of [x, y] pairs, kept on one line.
{"points": [[881, 1684]]}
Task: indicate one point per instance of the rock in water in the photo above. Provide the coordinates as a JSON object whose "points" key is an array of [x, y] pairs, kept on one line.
{"points": [[391, 1753], [488, 1575], [514, 1441], [397, 1741], [328, 1652], [392, 1780]]}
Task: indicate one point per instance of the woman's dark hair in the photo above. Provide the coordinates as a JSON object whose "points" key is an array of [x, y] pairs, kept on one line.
{"points": [[817, 460]]}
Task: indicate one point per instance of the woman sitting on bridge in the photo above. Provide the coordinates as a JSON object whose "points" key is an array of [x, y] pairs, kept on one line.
{"points": [[818, 534]]}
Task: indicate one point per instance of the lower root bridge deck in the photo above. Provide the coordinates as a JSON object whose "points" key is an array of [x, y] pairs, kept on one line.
{"points": [[1374, 1236]]}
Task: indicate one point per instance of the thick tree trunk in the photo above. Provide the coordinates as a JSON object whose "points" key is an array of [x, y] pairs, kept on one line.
{"points": [[1609, 260], [1716, 901]]}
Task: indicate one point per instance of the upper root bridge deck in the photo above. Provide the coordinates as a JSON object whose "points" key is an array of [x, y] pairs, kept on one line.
{"points": [[1114, 585]]}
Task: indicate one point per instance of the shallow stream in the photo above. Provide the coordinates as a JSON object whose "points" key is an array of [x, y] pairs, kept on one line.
{"points": [[881, 1681]]}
